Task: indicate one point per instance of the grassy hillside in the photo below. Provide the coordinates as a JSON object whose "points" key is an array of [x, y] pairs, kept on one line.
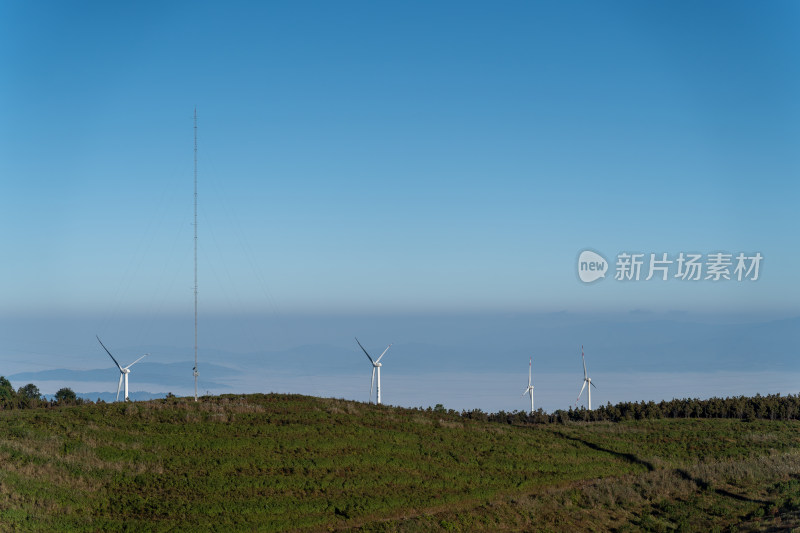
{"points": [[279, 462]]}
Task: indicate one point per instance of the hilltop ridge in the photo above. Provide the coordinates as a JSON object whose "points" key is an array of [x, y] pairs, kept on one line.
{"points": [[288, 462]]}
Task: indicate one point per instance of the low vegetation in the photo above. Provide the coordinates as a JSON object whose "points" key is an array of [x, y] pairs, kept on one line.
{"points": [[287, 462]]}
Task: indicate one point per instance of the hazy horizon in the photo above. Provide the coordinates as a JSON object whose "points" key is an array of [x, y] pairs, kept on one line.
{"points": [[466, 361]]}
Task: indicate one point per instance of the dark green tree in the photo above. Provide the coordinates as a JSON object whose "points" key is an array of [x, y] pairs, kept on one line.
{"points": [[7, 394], [28, 396], [66, 396], [29, 392]]}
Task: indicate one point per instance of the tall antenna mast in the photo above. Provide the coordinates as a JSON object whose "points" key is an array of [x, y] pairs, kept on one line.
{"points": [[195, 254]]}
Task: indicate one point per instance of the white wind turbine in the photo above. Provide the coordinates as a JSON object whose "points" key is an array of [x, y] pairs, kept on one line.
{"points": [[123, 371], [586, 379], [376, 365], [529, 390]]}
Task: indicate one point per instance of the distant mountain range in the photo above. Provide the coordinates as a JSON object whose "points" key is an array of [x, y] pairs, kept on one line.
{"points": [[162, 374], [108, 397]]}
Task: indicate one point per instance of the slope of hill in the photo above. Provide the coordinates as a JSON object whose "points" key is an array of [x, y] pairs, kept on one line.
{"points": [[287, 462]]}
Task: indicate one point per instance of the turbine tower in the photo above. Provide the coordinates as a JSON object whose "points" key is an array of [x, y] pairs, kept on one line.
{"points": [[123, 371], [529, 390], [376, 366], [586, 379]]}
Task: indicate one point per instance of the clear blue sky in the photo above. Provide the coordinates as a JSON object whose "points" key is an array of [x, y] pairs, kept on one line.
{"points": [[410, 157], [375, 157]]}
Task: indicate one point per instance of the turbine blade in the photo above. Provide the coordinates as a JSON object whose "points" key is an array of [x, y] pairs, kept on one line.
{"points": [[580, 394], [585, 375], [530, 369], [384, 353], [595, 386], [142, 357], [120, 385], [109, 353], [365, 352], [371, 383]]}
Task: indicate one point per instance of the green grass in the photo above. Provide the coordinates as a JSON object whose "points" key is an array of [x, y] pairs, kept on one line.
{"points": [[281, 462]]}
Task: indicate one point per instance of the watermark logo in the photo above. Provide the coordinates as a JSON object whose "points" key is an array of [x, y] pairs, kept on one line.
{"points": [[591, 266], [683, 266]]}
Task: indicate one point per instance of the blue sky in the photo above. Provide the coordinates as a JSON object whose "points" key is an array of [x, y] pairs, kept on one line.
{"points": [[405, 159]]}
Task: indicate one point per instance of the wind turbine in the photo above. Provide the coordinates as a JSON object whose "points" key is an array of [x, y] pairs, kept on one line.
{"points": [[586, 379], [123, 371], [376, 365], [529, 390]]}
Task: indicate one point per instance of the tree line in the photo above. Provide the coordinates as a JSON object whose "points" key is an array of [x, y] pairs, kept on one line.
{"points": [[29, 396], [770, 407]]}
